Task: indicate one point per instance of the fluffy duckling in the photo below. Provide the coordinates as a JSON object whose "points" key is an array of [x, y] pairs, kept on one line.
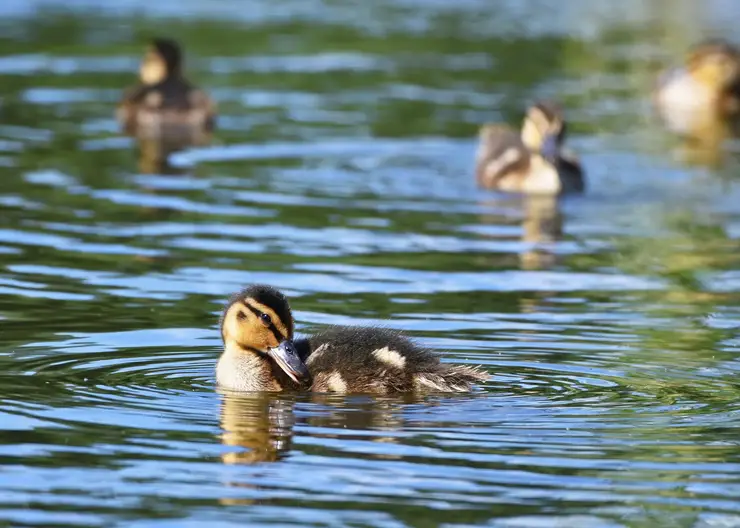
{"points": [[260, 354], [164, 103], [706, 86], [533, 161]]}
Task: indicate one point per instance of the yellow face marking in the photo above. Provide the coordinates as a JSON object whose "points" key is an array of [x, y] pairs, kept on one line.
{"points": [[242, 326], [537, 126], [245, 328], [279, 324], [715, 70], [533, 130], [153, 69], [231, 327]]}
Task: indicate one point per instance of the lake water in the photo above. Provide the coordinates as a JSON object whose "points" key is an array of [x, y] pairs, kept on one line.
{"points": [[342, 173]]}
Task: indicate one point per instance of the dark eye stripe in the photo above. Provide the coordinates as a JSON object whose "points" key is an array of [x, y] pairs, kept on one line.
{"points": [[271, 327]]}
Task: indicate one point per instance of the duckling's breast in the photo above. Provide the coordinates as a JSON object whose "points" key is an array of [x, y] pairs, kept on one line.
{"points": [[239, 371], [682, 101]]}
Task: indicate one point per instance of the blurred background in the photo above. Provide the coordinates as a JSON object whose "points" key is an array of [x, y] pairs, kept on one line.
{"points": [[341, 171]]}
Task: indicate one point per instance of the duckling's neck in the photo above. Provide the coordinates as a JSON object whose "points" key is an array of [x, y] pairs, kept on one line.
{"points": [[169, 79], [173, 74], [154, 76], [242, 370]]}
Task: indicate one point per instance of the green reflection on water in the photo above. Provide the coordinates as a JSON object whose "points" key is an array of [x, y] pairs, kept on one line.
{"points": [[646, 376]]}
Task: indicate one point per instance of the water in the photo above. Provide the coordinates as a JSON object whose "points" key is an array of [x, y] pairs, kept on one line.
{"points": [[342, 173]]}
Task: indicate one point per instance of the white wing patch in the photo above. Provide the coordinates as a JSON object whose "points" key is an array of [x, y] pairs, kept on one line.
{"points": [[153, 100], [316, 353], [496, 165], [336, 383], [390, 357]]}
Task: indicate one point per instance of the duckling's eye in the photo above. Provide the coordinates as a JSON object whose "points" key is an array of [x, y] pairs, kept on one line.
{"points": [[241, 316], [265, 319]]}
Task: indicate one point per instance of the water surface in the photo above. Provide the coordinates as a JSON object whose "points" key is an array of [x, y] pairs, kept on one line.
{"points": [[342, 173]]}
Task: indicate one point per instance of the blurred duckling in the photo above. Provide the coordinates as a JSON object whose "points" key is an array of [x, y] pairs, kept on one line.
{"points": [[707, 87], [533, 161], [260, 354], [164, 103]]}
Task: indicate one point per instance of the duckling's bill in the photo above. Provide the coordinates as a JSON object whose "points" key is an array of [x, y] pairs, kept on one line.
{"points": [[287, 358], [550, 149]]}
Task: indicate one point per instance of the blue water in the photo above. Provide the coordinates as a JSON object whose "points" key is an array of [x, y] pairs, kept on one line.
{"points": [[342, 173]]}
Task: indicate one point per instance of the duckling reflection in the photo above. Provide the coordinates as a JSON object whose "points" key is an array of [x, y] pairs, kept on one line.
{"points": [[533, 161], [154, 156], [258, 428], [259, 424], [700, 100], [165, 112], [542, 227]]}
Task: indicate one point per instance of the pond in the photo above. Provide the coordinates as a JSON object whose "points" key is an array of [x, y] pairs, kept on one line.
{"points": [[342, 173]]}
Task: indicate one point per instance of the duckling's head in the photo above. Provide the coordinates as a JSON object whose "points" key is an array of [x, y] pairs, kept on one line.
{"points": [[715, 63], [257, 321], [162, 59], [544, 130]]}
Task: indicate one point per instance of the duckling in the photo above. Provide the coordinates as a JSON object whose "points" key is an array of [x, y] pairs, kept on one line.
{"points": [[165, 103], [260, 354], [533, 161], [705, 88]]}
